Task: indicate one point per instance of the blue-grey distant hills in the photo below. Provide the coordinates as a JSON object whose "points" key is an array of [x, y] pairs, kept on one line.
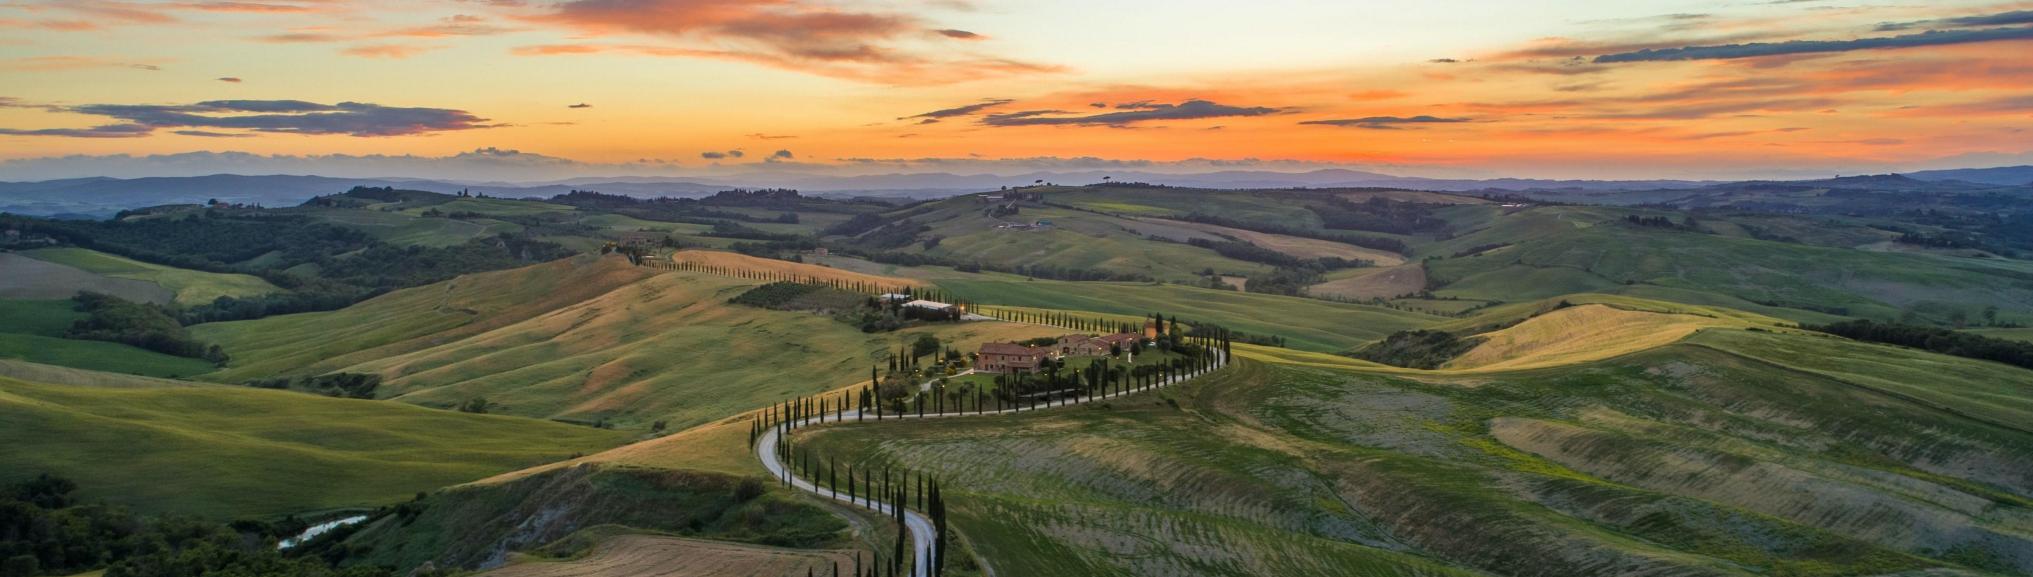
{"points": [[102, 197], [2004, 175]]}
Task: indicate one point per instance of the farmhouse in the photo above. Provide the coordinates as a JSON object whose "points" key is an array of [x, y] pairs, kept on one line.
{"points": [[1091, 346], [1008, 358], [639, 238]]}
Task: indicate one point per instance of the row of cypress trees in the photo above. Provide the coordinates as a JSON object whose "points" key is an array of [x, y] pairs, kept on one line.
{"points": [[901, 489]]}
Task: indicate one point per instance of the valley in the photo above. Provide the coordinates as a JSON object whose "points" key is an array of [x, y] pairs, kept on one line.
{"points": [[563, 386]]}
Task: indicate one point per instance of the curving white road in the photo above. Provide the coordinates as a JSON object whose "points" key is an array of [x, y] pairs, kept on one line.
{"points": [[919, 525]]}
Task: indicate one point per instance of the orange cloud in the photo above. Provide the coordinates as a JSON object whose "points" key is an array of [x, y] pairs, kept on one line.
{"points": [[794, 35], [900, 72], [387, 50], [255, 7], [1370, 95]]}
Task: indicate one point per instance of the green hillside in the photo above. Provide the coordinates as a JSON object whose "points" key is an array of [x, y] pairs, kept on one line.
{"points": [[967, 232], [1682, 460], [190, 286], [34, 332], [585, 339], [312, 343], [1304, 323], [227, 451], [1558, 250]]}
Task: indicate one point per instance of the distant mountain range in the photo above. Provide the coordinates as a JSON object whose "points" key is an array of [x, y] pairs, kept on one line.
{"points": [[101, 197]]}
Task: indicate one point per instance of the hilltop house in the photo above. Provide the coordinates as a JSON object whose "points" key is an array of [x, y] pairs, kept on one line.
{"points": [[1008, 358], [1089, 346], [639, 238]]}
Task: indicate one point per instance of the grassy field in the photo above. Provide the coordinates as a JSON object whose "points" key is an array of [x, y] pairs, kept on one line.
{"points": [[1579, 334], [584, 340], [99, 355], [39, 317], [1372, 283], [191, 286], [34, 332], [2020, 334], [1560, 250], [34, 279], [1305, 323], [410, 319], [1681, 459], [1991, 392], [1076, 240], [1295, 246], [225, 451]]}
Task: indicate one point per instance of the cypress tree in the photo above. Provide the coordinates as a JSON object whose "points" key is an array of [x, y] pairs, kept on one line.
{"points": [[938, 510]]}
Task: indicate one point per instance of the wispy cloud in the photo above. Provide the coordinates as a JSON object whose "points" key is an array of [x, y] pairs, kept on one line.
{"points": [[101, 131], [964, 110], [1135, 112], [801, 35], [1386, 122], [2012, 18], [1760, 49], [264, 116]]}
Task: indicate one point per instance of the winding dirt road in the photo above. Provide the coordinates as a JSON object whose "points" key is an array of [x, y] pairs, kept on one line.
{"points": [[919, 525]]}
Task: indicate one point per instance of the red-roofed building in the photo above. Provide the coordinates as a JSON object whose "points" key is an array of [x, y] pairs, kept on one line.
{"points": [[1008, 358], [1090, 346]]}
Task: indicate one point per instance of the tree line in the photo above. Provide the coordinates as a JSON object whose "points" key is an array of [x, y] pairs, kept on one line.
{"points": [[144, 325], [350, 266], [1245, 251], [341, 385], [46, 530], [1944, 341], [1376, 242], [897, 489], [1379, 214]]}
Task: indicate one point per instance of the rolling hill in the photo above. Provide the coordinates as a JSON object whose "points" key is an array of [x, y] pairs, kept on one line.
{"points": [[585, 339], [1681, 458], [1304, 323], [189, 286], [34, 332], [226, 452]]}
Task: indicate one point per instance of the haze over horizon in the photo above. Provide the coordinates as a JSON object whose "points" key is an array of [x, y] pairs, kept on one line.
{"points": [[549, 90]]}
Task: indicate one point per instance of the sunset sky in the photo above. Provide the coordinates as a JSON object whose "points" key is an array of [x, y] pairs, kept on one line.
{"points": [[1567, 88]]}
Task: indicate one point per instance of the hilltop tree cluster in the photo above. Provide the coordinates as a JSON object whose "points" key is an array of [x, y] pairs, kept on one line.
{"points": [[144, 325]]}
